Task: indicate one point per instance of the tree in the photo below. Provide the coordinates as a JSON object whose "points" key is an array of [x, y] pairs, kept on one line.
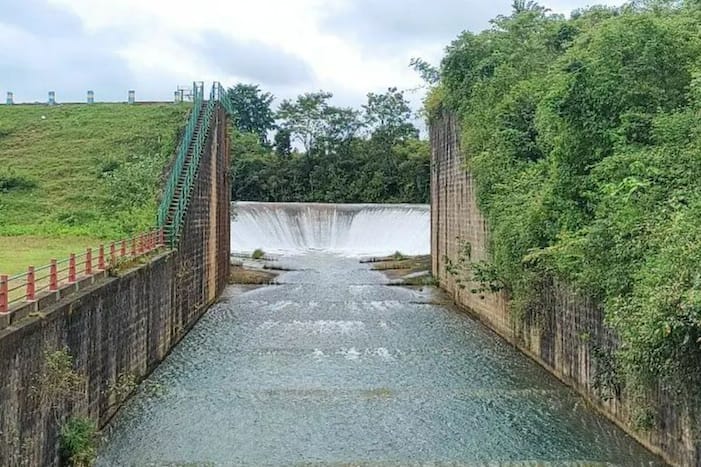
{"points": [[252, 110], [303, 118], [430, 74], [310, 120], [389, 116], [283, 143]]}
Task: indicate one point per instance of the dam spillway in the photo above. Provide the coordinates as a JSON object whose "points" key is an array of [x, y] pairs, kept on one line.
{"points": [[348, 229], [332, 366]]}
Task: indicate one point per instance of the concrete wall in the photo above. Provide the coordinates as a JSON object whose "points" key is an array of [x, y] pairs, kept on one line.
{"points": [[564, 331], [117, 327]]}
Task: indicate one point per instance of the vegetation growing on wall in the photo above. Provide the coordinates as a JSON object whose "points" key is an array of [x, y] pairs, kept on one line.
{"points": [[584, 137], [324, 153]]}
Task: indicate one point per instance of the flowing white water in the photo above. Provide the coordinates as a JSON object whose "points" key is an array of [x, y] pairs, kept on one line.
{"points": [[348, 229]]}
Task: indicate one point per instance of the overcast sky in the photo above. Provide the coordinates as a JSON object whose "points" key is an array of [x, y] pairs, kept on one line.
{"points": [[348, 47]]}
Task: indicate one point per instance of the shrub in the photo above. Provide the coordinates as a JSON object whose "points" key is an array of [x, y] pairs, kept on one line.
{"points": [[77, 442], [258, 254], [12, 181]]}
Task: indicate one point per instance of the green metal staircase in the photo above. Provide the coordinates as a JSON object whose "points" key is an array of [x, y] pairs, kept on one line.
{"points": [[179, 185]]}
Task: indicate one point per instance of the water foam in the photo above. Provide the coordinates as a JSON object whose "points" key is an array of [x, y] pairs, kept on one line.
{"points": [[348, 229]]}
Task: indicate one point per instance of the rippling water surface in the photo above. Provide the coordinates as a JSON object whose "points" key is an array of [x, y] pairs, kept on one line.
{"points": [[333, 367]]}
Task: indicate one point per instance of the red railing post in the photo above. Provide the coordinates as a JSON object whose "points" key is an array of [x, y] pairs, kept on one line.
{"points": [[113, 254], [71, 268], [101, 258], [3, 294], [88, 261], [141, 243], [133, 246], [31, 285], [123, 251], [53, 276], [161, 237]]}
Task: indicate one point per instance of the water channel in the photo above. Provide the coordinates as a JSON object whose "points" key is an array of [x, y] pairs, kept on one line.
{"points": [[333, 366]]}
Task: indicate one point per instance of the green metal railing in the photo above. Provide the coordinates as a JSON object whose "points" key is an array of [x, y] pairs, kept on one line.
{"points": [[181, 153], [183, 174]]}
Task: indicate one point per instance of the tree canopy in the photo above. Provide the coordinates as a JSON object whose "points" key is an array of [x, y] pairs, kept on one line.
{"points": [[326, 153], [584, 138]]}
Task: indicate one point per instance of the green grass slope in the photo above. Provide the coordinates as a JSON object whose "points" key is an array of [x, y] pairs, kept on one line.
{"points": [[74, 174]]}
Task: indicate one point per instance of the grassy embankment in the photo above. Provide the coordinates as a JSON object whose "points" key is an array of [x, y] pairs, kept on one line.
{"points": [[73, 175]]}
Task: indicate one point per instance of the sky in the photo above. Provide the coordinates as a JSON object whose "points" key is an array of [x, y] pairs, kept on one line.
{"points": [[348, 47]]}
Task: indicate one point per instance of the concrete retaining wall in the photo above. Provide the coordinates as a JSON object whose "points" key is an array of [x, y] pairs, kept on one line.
{"points": [[117, 329], [564, 331]]}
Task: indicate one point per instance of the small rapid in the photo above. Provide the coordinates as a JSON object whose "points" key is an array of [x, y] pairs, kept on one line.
{"points": [[346, 229]]}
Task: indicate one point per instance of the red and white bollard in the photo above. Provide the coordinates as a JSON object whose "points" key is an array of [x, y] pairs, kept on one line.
{"points": [[53, 276], [31, 284], [71, 269], [88, 261], [4, 294]]}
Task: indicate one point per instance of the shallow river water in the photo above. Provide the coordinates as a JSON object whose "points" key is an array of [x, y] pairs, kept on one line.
{"points": [[333, 366]]}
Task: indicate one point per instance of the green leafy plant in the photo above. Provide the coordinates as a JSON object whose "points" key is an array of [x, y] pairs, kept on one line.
{"points": [[58, 382], [258, 254], [78, 442]]}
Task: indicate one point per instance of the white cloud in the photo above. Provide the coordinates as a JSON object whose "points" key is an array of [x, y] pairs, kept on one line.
{"points": [[349, 47]]}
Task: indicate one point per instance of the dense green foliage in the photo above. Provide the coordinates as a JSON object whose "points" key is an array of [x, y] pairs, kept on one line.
{"points": [[584, 135], [78, 442], [252, 112], [347, 155]]}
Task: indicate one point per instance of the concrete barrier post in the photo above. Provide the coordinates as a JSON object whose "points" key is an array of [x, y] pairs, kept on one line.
{"points": [[52, 97], [71, 269], [91, 97], [3, 293], [10, 98], [132, 96], [31, 285], [88, 261], [53, 276]]}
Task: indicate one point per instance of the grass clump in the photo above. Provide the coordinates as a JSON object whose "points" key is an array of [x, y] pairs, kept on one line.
{"points": [[258, 254], [398, 256], [78, 442], [12, 181]]}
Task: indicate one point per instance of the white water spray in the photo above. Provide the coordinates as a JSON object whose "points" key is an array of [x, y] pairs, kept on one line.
{"points": [[348, 229]]}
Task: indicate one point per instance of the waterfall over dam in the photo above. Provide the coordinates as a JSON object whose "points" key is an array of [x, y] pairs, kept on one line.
{"points": [[346, 229]]}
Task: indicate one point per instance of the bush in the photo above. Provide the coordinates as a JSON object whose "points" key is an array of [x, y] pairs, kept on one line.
{"points": [[11, 181], [258, 254], [78, 442]]}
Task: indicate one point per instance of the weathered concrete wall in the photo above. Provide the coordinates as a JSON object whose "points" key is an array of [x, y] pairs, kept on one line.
{"points": [[120, 327], [564, 331]]}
